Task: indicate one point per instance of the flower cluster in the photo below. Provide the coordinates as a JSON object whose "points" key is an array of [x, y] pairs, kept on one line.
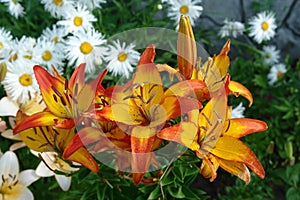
{"points": [[262, 29], [134, 120], [69, 122]]}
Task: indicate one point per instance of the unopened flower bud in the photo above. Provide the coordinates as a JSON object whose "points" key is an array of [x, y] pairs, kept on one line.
{"points": [[186, 48]]}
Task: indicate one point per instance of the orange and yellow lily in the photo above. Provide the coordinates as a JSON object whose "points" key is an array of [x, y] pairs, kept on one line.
{"points": [[65, 99], [217, 141]]}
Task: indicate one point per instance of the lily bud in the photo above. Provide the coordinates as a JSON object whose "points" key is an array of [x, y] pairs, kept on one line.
{"points": [[3, 71], [186, 48]]}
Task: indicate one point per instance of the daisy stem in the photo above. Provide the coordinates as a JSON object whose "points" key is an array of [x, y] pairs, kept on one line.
{"points": [[254, 49]]}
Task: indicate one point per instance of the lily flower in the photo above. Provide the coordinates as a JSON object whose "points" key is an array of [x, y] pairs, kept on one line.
{"points": [[13, 185], [65, 99], [143, 105], [50, 139], [217, 142], [51, 164]]}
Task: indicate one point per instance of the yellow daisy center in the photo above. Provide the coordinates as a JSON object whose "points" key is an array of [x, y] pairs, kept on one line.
{"points": [[77, 21], [29, 57], [1, 45], [13, 58], [55, 39], [58, 2], [122, 56], [25, 79], [184, 9], [47, 55], [264, 26], [279, 75], [86, 48]]}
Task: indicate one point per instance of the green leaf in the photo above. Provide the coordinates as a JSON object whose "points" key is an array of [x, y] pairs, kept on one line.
{"points": [[293, 193], [176, 192], [155, 194]]}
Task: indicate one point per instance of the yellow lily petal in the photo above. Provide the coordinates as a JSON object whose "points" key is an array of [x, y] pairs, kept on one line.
{"points": [[232, 149], [209, 168], [83, 157], [239, 127], [211, 121], [238, 89], [186, 88], [35, 120], [184, 133], [53, 92], [222, 60], [123, 113], [236, 168]]}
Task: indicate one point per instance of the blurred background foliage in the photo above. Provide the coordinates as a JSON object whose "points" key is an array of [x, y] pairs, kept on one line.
{"points": [[279, 106]]}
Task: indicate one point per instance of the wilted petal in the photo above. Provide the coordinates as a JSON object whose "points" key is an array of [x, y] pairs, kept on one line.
{"points": [[236, 168]]}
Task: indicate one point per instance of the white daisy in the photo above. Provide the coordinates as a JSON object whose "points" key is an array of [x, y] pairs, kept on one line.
{"points": [[58, 8], [21, 50], [276, 73], [231, 28], [78, 18], [56, 34], [238, 112], [13, 185], [82, 47], [45, 53], [262, 26], [270, 55], [121, 58], [14, 7], [189, 8], [20, 81], [5, 43], [92, 4]]}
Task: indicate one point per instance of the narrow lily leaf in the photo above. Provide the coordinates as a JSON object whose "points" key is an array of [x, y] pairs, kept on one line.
{"points": [[232, 149], [36, 120], [238, 89], [239, 127], [236, 168]]}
